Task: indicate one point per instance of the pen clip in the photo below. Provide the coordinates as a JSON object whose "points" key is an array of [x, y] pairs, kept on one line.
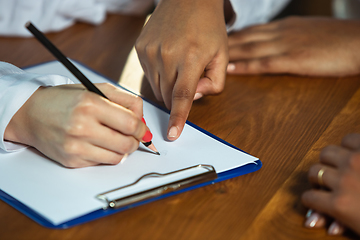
{"points": [[208, 175]]}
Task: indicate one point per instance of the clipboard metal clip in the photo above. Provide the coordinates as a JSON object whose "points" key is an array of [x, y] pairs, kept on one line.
{"points": [[208, 175]]}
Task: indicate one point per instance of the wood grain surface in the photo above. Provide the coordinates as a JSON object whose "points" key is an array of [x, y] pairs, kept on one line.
{"points": [[282, 119]]}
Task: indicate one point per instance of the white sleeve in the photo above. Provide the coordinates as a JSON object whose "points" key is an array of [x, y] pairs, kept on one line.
{"points": [[56, 15], [47, 15], [253, 12], [16, 87], [133, 7]]}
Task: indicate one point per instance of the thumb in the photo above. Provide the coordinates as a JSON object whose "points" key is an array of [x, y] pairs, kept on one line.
{"points": [[213, 80]]}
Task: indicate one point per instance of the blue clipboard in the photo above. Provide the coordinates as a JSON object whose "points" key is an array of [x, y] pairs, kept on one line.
{"points": [[248, 168]]}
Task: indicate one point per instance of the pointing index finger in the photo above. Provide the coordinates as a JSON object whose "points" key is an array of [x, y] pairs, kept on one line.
{"points": [[182, 98]]}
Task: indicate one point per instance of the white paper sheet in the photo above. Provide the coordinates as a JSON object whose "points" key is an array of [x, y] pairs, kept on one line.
{"points": [[60, 194]]}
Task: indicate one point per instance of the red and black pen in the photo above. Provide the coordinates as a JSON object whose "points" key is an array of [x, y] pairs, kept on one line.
{"points": [[147, 140]]}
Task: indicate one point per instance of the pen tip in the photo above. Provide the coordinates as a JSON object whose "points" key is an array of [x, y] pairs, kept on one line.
{"points": [[153, 148]]}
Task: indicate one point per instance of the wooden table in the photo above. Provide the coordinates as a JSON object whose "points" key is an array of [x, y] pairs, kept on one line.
{"points": [[284, 120]]}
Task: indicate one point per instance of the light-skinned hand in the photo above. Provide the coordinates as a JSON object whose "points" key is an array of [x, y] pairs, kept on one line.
{"points": [[78, 128], [181, 41], [340, 196], [305, 46]]}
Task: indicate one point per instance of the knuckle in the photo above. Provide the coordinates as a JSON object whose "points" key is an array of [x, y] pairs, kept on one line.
{"points": [[71, 148], [85, 105], [218, 87], [354, 161], [75, 128], [326, 151], [138, 101], [178, 116], [166, 51], [78, 127], [192, 54], [266, 63], [347, 181], [145, 48], [243, 66], [249, 66], [133, 124], [129, 146], [182, 94], [150, 50], [340, 203], [112, 134], [246, 66], [250, 47]]}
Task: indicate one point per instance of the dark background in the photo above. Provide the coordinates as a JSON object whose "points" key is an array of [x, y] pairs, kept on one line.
{"points": [[306, 8]]}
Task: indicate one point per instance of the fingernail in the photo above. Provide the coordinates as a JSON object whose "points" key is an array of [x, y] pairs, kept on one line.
{"points": [[335, 228], [312, 220], [147, 137], [230, 67], [198, 96], [308, 213], [124, 158], [173, 132], [143, 120]]}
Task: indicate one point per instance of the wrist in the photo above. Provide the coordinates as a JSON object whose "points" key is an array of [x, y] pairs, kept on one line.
{"points": [[18, 129], [13, 129]]}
